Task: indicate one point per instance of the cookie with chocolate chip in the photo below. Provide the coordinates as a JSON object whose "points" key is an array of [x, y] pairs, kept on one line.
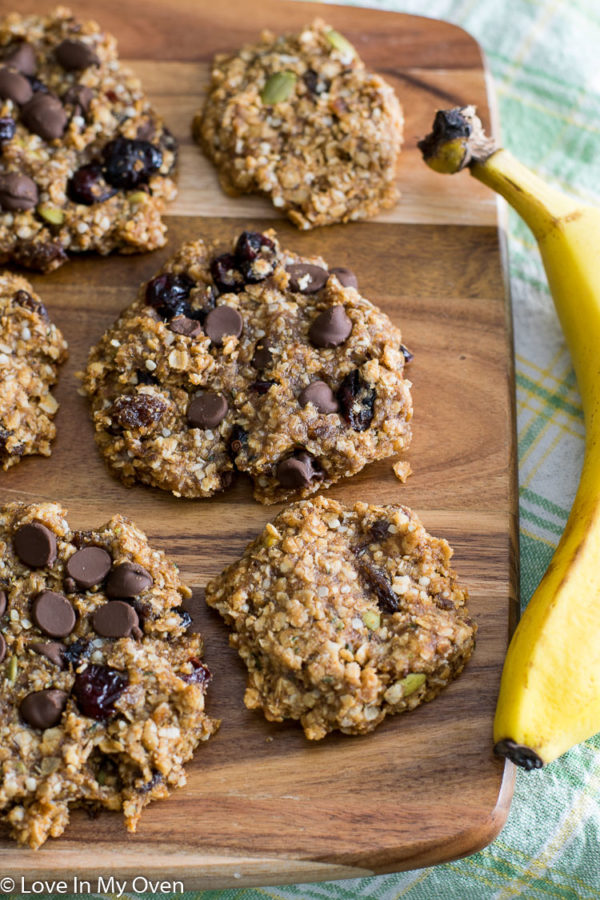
{"points": [[248, 359], [344, 615], [299, 119], [31, 350], [103, 687], [85, 161]]}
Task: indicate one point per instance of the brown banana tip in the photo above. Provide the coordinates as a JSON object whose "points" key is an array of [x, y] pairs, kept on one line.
{"points": [[519, 754], [457, 139]]}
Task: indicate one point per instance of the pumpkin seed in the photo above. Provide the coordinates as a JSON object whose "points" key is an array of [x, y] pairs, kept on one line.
{"points": [[278, 88], [51, 214], [339, 42], [412, 683]]}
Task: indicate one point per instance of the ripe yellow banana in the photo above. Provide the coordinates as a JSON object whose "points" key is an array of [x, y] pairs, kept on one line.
{"points": [[550, 689]]}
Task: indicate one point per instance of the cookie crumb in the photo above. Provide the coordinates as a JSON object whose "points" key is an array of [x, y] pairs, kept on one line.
{"points": [[402, 470]]}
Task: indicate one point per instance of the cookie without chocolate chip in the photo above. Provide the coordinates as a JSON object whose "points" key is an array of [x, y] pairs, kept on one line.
{"points": [[255, 360], [85, 162], [299, 119], [344, 615], [102, 686], [31, 349]]}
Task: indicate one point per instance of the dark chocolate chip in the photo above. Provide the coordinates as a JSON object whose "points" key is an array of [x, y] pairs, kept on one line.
{"points": [[53, 614], [3, 602], [297, 471], [128, 580], [45, 115], [189, 327], [79, 95], [22, 58], [43, 709], [7, 129], [35, 545], [69, 586], [89, 566], [306, 278], [346, 277], [75, 55], [14, 86], [207, 410], [320, 395], [2, 648], [263, 355], [221, 321], [97, 689], [331, 328], [73, 652], [408, 356], [115, 619], [136, 631], [52, 650], [17, 191]]}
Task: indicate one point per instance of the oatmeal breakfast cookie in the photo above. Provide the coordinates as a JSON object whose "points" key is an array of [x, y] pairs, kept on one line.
{"points": [[255, 360], [31, 349], [299, 119], [85, 162], [102, 687], [344, 615]]}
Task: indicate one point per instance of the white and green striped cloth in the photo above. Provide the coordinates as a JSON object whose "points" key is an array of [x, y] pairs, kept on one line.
{"points": [[545, 58]]}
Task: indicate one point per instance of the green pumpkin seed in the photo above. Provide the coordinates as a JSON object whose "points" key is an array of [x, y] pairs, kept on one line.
{"points": [[412, 683], [339, 42], [138, 197], [12, 669], [278, 88], [371, 619], [51, 214]]}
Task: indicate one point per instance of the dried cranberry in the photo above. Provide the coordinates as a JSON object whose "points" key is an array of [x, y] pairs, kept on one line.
{"points": [[138, 410], [256, 256], [129, 163], [200, 673], [169, 295], [357, 401], [97, 689], [238, 440], [7, 129], [226, 275], [261, 386], [379, 584], [24, 299], [87, 186]]}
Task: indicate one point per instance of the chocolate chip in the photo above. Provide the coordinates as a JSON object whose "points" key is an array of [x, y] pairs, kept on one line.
{"points": [[14, 86], [89, 566], [297, 471], [35, 545], [75, 55], [263, 355], [52, 650], [320, 395], [207, 410], [45, 115], [136, 631], [306, 278], [22, 58], [3, 602], [2, 648], [408, 356], [331, 328], [43, 709], [17, 191], [346, 277], [79, 95], [53, 614], [221, 321], [128, 580], [189, 327], [116, 619]]}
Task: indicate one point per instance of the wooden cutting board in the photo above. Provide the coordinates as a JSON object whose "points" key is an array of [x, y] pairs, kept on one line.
{"points": [[262, 804]]}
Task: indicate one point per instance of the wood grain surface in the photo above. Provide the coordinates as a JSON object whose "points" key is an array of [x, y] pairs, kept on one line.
{"points": [[262, 804]]}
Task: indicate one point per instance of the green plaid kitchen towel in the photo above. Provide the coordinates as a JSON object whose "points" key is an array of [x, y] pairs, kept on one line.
{"points": [[544, 55]]}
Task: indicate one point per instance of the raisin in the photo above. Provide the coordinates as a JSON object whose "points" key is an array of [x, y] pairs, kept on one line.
{"points": [[169, 293], [97, 689], [87, 186], [408, 356], [130, 163], [73, 653], [149, 785], [238, 440], [81, 538], [261, 386], [37, 86], [7, 129], [138, 410], [379, 584], [379, 529], [255, 255], [357, 401], [145, 377], [186, 619], [17, 450], [225, 274], [315, 84], [42, 257], [24, 299], [200, 673]]}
